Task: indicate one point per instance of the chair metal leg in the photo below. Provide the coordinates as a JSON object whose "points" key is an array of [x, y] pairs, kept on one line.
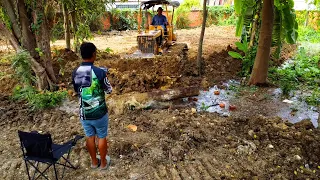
{"points": [[55, 171], [65, 164], [27, 169], [35, 172], [40, 172]]}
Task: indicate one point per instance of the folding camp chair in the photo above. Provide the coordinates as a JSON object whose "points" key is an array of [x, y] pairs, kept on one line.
{"points": [[39, 148]]}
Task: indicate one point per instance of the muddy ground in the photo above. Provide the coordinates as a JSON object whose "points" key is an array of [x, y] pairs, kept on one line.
{"points": [[169, 143], [173, 144]]}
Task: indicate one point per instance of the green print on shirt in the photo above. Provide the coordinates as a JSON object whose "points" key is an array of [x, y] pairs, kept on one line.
{"points": [[93, 100]]}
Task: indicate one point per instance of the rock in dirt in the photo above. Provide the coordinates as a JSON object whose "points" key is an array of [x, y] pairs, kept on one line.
{"points": [[304, 124], [270, 146], [282, 126], [297, 157], [251, 133], [246, 149], [172, 94]]}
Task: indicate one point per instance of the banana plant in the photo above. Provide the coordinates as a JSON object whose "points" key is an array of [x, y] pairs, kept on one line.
{"points": [[285, 27], [242, 46], [245, 9]]}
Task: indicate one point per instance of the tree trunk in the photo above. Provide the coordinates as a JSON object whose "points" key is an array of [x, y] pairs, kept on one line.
{"points": [[172, 94], [9, 6], [66, 25], [199, 57], [260, 69], [43, 41], [43, 81], [31, 39], [28, 40], [4, 32], [74, 29]]}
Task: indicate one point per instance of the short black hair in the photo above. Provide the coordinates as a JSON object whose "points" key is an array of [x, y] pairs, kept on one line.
{"points": [[87, 50]]}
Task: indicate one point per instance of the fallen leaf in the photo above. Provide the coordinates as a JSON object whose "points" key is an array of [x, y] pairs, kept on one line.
{"points": [[132, 127], [216, 92], [232, 107]]}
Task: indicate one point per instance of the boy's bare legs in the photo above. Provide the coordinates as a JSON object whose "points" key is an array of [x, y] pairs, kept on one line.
{"points": [[91, 146], [103, 149]]}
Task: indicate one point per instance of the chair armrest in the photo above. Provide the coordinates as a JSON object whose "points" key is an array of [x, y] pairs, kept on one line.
{"points": [[77, 138]]}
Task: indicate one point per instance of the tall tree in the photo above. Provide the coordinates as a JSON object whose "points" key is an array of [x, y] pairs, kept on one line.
{"points": [[260, 68], [29, 31], [82, 13], [203, 28], [66, 25]]}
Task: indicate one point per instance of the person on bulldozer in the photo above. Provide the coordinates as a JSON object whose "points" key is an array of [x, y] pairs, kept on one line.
{"points": [[160, 20]]}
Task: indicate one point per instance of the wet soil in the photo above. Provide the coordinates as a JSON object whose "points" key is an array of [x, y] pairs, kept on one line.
{"points": [[172, 144]]}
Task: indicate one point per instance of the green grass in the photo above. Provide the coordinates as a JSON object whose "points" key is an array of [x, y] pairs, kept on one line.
{"points": [[308, 34]]}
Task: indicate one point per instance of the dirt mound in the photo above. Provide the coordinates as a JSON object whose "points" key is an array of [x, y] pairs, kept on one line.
{"points": [[59, 60], [168, 71], [7, 81]]}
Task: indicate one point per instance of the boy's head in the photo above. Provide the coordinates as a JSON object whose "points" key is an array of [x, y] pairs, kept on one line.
{"points": [[88, 51]]}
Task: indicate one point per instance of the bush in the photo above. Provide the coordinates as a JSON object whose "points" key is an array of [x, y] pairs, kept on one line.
{"points": [[301, 73], [38, 100], [221, 15], [182, 22], [308, 34], [22, 67], [124, 19], [181, 18], [57, 31], [25, 91]]}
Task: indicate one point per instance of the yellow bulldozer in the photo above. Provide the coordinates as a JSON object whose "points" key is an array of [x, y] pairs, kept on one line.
{"points": [[156, 39]]}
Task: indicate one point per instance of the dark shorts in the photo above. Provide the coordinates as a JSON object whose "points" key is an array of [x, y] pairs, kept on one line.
{"points": [[97, 127]]}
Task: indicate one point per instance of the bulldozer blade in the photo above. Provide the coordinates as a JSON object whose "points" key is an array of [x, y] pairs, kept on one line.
{"points": [[138, 54]]}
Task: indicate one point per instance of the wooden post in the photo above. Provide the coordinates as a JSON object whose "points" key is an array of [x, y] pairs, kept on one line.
{"points": [[139, 21]]}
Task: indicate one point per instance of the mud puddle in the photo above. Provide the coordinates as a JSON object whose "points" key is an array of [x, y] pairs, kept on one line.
{"points": [[217, 100], [294, 109], [226, 101]]}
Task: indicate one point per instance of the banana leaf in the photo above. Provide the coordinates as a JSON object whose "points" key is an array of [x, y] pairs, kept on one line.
{"points": [[277, 33], [290, 25], [238, 6]]}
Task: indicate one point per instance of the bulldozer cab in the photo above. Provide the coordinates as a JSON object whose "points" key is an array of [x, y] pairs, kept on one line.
{"points": [[156, 38]]}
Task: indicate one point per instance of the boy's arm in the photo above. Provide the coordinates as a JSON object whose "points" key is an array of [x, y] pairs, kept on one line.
{"points": [[107, 86], [73, 82]]}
